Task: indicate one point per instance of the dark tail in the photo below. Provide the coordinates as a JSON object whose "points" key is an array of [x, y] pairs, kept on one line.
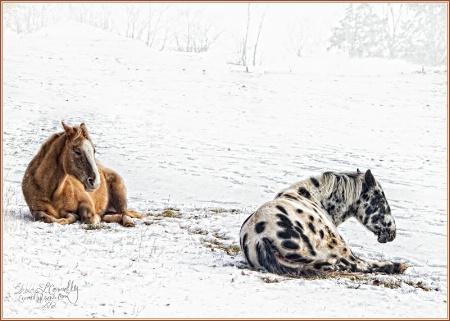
{"points": [[266, 251]]}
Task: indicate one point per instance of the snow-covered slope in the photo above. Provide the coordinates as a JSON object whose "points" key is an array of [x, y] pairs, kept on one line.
{"points": [[200, 146]]}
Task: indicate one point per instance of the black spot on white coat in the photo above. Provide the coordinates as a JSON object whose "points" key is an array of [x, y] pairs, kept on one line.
{"points": [[259, 227]]}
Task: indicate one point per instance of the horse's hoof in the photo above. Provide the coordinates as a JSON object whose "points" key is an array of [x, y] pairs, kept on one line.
{"points": [[127, 222], [64, 221], [95, 220], [400, 268]]}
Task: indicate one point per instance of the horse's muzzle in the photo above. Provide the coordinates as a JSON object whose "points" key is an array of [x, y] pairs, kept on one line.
{"points": [[91, 184], [386, 235]]}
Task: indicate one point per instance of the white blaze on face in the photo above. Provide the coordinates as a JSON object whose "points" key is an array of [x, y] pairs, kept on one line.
{"points": [[88, 150]]}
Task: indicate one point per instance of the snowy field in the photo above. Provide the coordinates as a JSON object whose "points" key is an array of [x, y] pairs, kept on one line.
{"points": [[201, 145]]}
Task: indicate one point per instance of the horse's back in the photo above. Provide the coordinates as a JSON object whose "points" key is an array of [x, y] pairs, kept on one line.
{"points": [[36, 179], [33, 176], [42, 152]]}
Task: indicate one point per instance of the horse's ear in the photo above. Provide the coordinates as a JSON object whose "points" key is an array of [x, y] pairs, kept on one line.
{"points": [[69, 130], [369, 179], [358, 171], [84, 130]]}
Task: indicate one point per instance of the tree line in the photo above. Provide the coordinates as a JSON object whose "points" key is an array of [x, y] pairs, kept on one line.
{"points": [[416, 32]]}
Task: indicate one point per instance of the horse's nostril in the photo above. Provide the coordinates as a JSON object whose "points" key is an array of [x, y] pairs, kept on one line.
{"points": [[393, 235], [90, 181]]}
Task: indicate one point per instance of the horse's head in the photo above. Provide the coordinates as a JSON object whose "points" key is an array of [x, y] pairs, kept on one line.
{"points": [[374, 211], [79, 157]]}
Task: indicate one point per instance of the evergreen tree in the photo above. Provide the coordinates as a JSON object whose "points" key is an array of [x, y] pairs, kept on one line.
{"points": [[425, 34], [360, 32]]}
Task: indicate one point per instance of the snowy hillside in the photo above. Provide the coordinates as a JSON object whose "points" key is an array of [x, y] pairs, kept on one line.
{"points": [[201, 145]]}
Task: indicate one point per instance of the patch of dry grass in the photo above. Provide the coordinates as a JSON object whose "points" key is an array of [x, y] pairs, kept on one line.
{"points": [[231, 250], [168, 212], [92, 227]]}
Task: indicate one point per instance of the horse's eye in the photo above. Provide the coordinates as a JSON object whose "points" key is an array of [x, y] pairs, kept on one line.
{"points": [[77, 152]]}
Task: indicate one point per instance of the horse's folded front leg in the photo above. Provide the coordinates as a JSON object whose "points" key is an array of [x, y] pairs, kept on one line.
{"points": [[42, 216], [112, 218], [69, 218], [125, 220], [88, 216], [135, 214]]}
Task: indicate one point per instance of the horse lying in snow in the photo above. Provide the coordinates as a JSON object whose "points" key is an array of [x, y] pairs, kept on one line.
{"points": [[296, 233], [64, 183]]}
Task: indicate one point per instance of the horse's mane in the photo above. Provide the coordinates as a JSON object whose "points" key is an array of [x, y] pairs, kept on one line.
{"points": [[349, 185], [47, 146], [79, 133]]}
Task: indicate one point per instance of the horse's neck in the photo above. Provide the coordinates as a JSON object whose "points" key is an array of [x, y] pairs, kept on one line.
{"points": [[338, 207], [49, 171], [338, 204]]}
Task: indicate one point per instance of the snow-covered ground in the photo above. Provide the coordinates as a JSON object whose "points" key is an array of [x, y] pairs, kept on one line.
{"points": [[200, 145]]}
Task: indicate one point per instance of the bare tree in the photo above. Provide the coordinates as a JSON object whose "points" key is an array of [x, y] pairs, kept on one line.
{"points": [[393, 14], [153, 23], [11, 17], [251, 38], [104, 17], [255, 48], [244, 43], [165, 34], [79, 12], [196, 33], [134, 25], [138, 21], [300, 36], [27, 17]]}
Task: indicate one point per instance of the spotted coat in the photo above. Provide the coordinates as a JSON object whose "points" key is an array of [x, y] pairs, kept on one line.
{"points": [[296, 233]]}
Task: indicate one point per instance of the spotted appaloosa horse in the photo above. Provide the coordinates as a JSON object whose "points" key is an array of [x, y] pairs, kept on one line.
{"points": [[64, 182], [296, 233]]}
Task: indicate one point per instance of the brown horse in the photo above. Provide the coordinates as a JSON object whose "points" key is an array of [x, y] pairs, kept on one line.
{"points": [[64, 183]]}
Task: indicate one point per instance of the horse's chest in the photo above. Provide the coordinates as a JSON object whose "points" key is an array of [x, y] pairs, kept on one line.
{"points": [[71, 195]]}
